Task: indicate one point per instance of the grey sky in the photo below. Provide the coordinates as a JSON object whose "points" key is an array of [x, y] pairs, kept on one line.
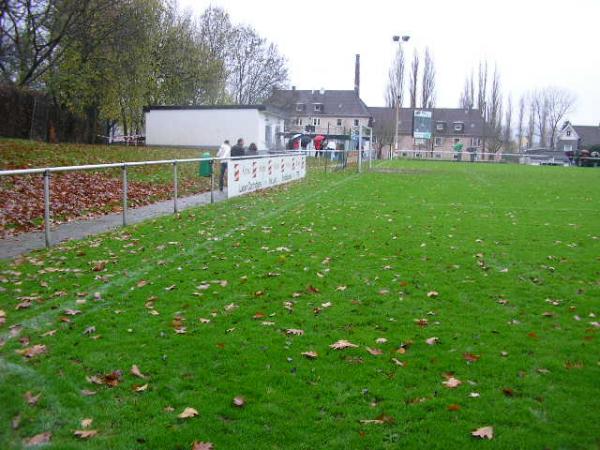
{"points": [[534, 42]]}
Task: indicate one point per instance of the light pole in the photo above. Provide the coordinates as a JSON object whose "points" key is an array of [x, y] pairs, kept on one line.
{"points": [[399, 40]]}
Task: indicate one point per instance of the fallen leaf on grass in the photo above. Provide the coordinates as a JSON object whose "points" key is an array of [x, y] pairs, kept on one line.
{"points": [[203, 320], [484, 433], [85, 434], [89, 330], [508, 391], [135, 370], [87, 392], [432, 341], [310, 355], [294, 332], [452, 383], [2, 317], [326, 305], [381, 340], [188, 413], [342, 344], [30, 352], [15, 423], [72, 312], [379, 420], [239, 402], [341, 288], [202, 446], [138, 388], [23, 305], [398, 362], [86, 423], [454, 407], [432, 294], [32, 399], [422, 322], [258, 316], [38, 439], [470, 357], [49, 333], [374, 351], [142, 283]]}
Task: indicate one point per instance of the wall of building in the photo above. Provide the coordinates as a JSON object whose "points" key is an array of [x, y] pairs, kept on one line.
{"points": [[327, 123], [204, 127]]}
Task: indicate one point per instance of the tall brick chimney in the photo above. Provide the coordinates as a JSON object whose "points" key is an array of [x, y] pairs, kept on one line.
{"points": [[357, 75]]}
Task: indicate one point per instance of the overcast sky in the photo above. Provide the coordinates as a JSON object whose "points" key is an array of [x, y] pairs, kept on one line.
{"points": [[534, 42]]}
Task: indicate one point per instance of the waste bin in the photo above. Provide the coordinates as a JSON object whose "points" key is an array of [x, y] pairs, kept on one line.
{"points": [[205, 166]]}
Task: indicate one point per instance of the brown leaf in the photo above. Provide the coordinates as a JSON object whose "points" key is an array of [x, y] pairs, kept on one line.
{"points": [[484, 433], [32, 399], [49, 333], [508, 391], [99, 266], [310, 354], [112, 379], [188, 413], [85, 434], [23, 305], [138, 388], [35, 350], [342, 344], [454, 407], [202, 446], [15, 423], [142, 283], [135, 370], [239, 402], [380, 420], [422, 322], [374, 351], [470, 357], [72, 312], [38, 439], [2, 317], [259, 315]]}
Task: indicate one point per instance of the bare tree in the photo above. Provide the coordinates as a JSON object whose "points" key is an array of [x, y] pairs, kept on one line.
{"points": [[560, 102], [507, 138], [395, 88], [467, 97], [257, 68], [482, 80], [542, 110], [531, 123], [521, 124], [494, 112], [414, 80], [428, 81]]}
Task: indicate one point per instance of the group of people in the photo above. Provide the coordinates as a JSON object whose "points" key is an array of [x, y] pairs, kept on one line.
{"points": [[238, 150]]}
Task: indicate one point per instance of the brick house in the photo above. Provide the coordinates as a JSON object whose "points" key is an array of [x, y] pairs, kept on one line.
{"points": [[450, 126]]}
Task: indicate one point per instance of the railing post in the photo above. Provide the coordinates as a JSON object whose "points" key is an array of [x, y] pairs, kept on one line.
{"points": [[175, 187], [125, 188], [212, 181], [47, 208]]}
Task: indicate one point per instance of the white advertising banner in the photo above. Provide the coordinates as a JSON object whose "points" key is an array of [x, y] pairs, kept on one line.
{"points": [[249, 175]]}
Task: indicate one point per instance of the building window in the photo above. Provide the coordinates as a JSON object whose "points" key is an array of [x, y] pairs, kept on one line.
{"points": [[316, 121], [459, 126], [568, 132], [568, 148], [440, 126], [299, 107], [339, 122], [298, 122], [438, 141], [475, 142], [318, 107], [457, 140], [356, 122]]}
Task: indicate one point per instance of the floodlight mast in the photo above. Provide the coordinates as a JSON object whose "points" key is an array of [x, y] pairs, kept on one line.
{"points": [[399, 39]]}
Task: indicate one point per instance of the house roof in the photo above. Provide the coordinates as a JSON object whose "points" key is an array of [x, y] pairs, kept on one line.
{"points": [[334, 103], [470, 117], [588, 134]]}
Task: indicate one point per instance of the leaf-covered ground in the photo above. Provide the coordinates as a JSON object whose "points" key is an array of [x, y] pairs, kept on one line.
{"points": [[437, 306], [75, 195]]}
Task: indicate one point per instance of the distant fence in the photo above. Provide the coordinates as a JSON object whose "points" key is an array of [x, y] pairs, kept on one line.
{"points": [[27, 114]]}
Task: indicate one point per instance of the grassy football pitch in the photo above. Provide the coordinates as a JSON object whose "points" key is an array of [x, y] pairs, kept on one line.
{"points": [[406, 307]]}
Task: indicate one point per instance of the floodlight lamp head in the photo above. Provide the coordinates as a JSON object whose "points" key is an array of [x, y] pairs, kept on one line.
{"points": [[396, 38], [405, 38]]}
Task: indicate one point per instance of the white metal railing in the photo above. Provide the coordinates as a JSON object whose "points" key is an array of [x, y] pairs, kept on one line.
{"points": [[124, 166]]}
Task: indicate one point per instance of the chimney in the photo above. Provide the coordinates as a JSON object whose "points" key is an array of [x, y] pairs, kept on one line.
{"points": [[357, 75]]}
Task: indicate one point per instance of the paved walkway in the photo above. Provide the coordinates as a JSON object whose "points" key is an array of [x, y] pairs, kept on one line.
{"points": [[26, 242]]}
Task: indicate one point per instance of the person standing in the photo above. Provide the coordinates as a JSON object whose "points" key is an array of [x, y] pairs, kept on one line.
{"points": [[252, 149], [238, 149], [224, 153]]}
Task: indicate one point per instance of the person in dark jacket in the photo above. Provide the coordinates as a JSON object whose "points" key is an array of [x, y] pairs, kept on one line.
{"points": [[252, 149], [238, 149]]}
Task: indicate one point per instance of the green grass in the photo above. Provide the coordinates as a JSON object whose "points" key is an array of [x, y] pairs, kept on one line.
{"points": [[476, 234]]}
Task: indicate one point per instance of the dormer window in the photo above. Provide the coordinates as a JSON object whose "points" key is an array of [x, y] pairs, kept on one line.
{"points": [[299, 107], [318, 107], [569, 133], [459, 127], [440, 126]]}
